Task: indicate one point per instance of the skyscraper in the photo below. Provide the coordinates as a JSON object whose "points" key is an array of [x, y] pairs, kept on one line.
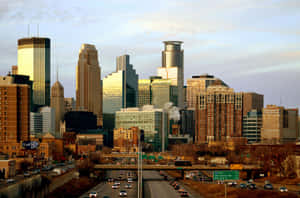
{"points": [[88, 82], [195, 86], [120, 88], [34, 61], [173, 67], [57, 102], [48, 119], [218, 113]]}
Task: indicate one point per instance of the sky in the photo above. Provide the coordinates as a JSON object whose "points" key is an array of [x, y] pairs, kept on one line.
{"points": [[252, 45]]}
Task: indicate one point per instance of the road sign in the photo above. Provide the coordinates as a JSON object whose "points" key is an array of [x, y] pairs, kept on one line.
{"points": [[226, 175]]}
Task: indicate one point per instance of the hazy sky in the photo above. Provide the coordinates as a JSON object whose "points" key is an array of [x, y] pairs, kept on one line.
{"points": [[253, 45]]}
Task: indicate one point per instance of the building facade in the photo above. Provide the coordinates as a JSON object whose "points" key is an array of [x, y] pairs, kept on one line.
{"points": [[153, 121], [280, 125], [88, 82], [252, 101], [57, 103], [126, 140], [34, 61], [36, 123], [218, 114], [48, 117], [173, 67], [252, 123], [120, 88], [197, 85], [70, 104]]}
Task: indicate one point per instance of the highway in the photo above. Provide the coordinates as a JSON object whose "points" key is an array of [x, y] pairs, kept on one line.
{"points": [[157, 187], [104, 188]]}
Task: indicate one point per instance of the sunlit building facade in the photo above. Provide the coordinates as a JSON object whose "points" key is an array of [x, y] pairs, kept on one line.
{"points": [[34, 61], [120, 88], [252, 123], [153, 121], [57, 102], [173, 67], [88, 82]]}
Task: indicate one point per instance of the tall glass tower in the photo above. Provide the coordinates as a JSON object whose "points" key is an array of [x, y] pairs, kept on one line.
{"points": [[34, 61], [120, 88], [173, 68]]}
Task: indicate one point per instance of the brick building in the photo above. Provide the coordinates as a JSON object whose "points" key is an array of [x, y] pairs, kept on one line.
{"points": [[126, 140], [218, 113]]}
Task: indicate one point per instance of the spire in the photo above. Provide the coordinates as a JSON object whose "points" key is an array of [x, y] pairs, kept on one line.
{"points": [[57, 72]]}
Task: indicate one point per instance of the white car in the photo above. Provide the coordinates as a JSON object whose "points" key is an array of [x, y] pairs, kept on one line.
{"points": [[115, 186], [93, 194], [130, 180], [283, 189], [123, 193], [117, 183]]}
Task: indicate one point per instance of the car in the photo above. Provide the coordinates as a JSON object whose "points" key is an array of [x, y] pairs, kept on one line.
{"points": [[26, 174], [110, 179], [176, 187], [283, 189], [129, 180], [128, 186], [123, 193], [105, 196], [252, 186], [232, 183], [184, 194], [93, 194], [268, 187], [166, 177], [10, 181], [36, 171], [115, 186], [117, 183], [243, 185]]}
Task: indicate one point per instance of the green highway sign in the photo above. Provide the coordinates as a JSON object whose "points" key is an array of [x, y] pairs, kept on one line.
{"points": [[179, 168], [227, 175]]}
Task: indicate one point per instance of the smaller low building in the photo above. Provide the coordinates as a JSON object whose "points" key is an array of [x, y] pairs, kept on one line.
{"points": [[126, 140], [7, 169]]}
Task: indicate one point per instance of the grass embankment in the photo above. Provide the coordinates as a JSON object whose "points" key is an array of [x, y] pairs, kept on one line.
{"points": [[73, 188], [218, 190]]}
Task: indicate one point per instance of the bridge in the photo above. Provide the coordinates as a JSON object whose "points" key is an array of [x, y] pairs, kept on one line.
{"points": [[172, 167]]}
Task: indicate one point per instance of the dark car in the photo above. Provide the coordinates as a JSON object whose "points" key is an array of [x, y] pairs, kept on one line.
{"points": [[243, 185], [184, 194], [176, 187], [252, 186], [268, 187]]}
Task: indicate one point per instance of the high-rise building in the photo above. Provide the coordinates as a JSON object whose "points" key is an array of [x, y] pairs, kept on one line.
{"points": [[57, 102], [173, 68], [70, 104], [280, 125], [252, 123], [197, 85], [145, 96], [120, 88], [252, 101], [15, 109], [48, 117], [218, 113], [14, 69], [34, 61], [36, 124], [153, 121], [157, 91], [187, 122], [76, 121], [88, 82]]}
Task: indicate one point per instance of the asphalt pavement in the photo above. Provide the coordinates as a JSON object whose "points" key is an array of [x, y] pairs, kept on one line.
{"points": [[104, 188]]}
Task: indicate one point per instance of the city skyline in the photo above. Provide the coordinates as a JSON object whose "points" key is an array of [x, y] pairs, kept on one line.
{"points": [[248, 51]]}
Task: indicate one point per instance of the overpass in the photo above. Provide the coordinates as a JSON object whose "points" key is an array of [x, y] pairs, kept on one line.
{"points": [[172, 167]]}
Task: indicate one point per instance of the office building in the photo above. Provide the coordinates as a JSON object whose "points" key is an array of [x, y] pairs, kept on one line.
{"points": [[218, 113], [280, 125], [153, 121], [48, 115], [70, 104], [196, 85], [173, 67], [187, 122], [252, 101], [14, 117], [120, 88], [252, 123], [157, 91], [36, 123], [126, 140], [34, 61], [76, 121], [88, 82], [57, 103]]}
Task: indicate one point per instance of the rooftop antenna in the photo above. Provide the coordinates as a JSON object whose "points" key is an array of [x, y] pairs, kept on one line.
{"points": [[28, 30], [57, 72], [38, 29]]}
